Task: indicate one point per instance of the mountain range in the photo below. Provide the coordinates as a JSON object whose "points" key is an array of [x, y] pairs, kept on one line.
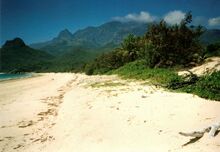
{"points": [[69, 51], [211, 36], [109, 33], [91, 37], [17, 56]]}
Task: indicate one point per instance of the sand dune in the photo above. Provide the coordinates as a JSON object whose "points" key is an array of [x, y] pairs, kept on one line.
{"points": [[73, 112], [210, 65]]}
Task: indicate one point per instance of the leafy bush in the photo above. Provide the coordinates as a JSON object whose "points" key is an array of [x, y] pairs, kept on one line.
{"points": [[173, 45], [131, 48], [207, 87], [104, 63]]}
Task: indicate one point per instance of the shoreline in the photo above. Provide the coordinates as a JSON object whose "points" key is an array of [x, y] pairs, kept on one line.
{"points": [[25, 76], [75, 112]]}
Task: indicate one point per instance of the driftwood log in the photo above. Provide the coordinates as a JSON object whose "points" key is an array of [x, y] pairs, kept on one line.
{"points": [[212, 130]]}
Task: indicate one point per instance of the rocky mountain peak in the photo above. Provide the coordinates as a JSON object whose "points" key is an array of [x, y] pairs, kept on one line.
{"points": [[65, 34], [15, 43]]}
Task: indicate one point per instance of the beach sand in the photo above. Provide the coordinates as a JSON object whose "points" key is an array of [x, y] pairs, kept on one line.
{"points": [[68, 112]]}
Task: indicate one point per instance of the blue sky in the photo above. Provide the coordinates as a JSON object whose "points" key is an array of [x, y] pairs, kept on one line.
{"points": [[41, 20]]}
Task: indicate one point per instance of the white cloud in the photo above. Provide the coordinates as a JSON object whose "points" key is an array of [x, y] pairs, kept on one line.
{"points": [[214, 21], [174, 17], [144, 17]]}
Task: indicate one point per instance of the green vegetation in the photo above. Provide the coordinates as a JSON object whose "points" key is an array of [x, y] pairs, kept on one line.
{"points": [[168, 46], [139, 70], [156, 55], [162, 46], [207, 86], [71, 61], [17, 57], [212, 50]]}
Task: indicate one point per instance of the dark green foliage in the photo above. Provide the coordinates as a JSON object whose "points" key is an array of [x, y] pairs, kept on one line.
{"points": [[212, 50], [71, 61], [207, 86], [89, 69], [152, 56], [162, 46], [173, 45], [16, 56], [104, 63], [130, 50], [184, 82]]}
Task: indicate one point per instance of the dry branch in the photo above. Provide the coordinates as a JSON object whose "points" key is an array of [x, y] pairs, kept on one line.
{"points": [[212, 130]]}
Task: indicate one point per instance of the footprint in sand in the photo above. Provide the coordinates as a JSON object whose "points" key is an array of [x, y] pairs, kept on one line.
{"points": [[18, 146], [53, 104], [48, 112], [24, 124], [9, 137]]}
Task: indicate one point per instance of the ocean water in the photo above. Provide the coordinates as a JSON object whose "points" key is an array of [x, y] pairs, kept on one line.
{"points": [[4, 76]]}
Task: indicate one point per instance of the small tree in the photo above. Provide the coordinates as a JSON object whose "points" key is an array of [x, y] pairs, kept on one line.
{"points": [[130, 48], [173, 45]]}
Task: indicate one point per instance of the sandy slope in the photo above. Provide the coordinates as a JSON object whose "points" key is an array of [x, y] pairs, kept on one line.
{"points": [[77, 113], [210, 65]]}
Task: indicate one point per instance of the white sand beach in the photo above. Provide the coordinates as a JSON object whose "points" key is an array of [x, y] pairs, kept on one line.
{"points": [[66, 112]]}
